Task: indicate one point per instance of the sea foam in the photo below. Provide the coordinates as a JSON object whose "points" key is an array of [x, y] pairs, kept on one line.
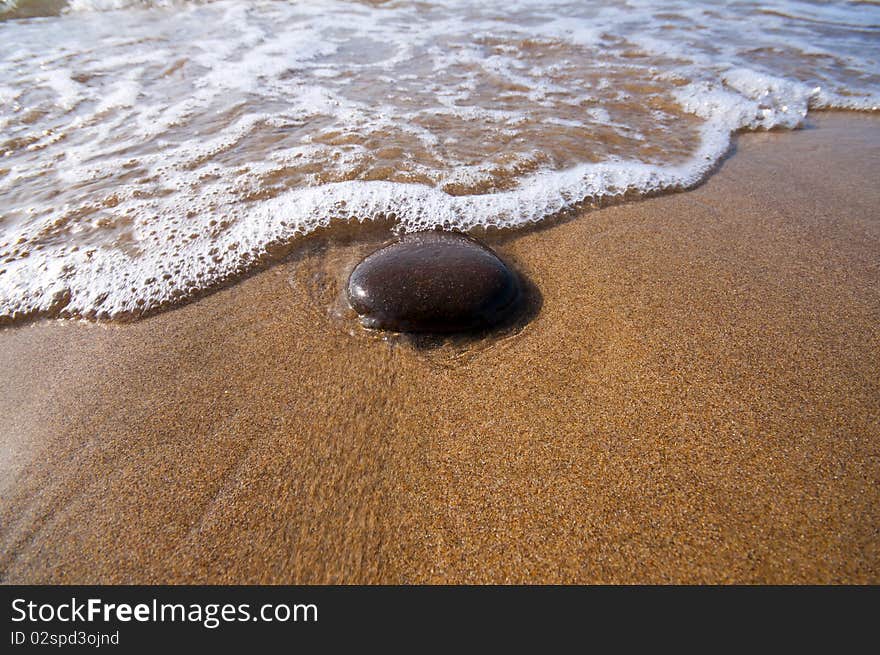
{"points": [[150, 150]]}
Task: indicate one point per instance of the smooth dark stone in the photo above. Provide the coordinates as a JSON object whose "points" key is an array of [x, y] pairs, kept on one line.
{"points": [[433, 282]]}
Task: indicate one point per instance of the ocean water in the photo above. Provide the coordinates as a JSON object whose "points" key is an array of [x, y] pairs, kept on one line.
{"points": [[152, 149]]}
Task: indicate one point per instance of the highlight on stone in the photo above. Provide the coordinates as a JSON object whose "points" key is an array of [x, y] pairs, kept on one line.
{"points": [[433, 282]]}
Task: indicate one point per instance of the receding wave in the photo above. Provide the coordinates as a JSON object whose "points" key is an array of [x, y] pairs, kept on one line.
{"points": [[149, 150]]}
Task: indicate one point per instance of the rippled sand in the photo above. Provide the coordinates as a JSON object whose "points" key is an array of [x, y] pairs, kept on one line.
{"points": [[696, 401]]}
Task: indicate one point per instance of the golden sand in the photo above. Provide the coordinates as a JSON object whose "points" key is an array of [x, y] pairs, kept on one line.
{"points": [[698, 400]]}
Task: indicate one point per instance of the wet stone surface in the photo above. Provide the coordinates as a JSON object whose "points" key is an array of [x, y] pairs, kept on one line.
{"points": [[433, 282]]}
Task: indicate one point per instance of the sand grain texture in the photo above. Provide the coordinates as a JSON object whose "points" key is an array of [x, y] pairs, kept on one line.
{"points": [[698, 400]]}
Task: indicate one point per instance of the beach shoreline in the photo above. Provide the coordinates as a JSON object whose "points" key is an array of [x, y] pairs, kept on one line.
{"points": [[695, 400]]}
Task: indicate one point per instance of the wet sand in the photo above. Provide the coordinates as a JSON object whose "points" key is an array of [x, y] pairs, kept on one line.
{"points": [[697, 400]]}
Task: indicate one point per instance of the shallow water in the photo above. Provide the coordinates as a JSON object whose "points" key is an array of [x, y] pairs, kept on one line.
{"points": [[149, 150]]}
